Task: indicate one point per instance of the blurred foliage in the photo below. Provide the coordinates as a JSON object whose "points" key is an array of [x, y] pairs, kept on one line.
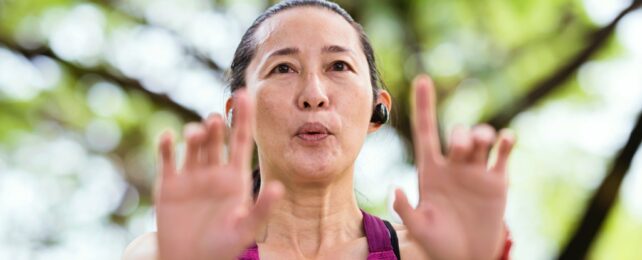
{"points": [[86, 87]]}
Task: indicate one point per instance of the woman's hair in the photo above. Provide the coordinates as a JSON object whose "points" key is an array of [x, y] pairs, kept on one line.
{"points": [[247, 48]]}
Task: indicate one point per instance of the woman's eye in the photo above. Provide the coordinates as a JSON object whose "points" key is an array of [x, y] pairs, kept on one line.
{"points": [[340, 66], [282, 68]]}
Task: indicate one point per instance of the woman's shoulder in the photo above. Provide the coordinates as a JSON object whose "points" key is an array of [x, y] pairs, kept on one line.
{"points": [[143, 247], [408, 247]]}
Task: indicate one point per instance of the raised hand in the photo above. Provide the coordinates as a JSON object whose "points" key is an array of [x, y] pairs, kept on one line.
{"points": [[205, 209], [462, 198]]}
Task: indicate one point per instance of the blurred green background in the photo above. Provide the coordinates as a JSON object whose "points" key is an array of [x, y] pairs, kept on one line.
{"points": [[87, 86]]}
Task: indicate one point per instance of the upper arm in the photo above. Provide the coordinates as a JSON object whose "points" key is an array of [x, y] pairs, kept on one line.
{"points": [[143, 247]]}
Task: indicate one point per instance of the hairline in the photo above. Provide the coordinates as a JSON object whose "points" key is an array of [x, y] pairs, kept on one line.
{"points": [[255, 42], [238, 71]]}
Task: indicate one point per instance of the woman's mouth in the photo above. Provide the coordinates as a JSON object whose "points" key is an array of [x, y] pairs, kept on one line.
{"points": [[312, 132], [312, 136]]}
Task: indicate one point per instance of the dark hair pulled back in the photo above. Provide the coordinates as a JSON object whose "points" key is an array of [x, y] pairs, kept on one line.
{"points": [[247, 48]]}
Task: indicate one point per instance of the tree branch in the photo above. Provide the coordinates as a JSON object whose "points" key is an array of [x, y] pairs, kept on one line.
{"points": [[402, 110], [189, 49], [547, 85], [158, 99], [603, 199]]}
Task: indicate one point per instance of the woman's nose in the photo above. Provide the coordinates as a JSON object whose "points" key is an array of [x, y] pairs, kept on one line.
{"points": [[313, 95]]}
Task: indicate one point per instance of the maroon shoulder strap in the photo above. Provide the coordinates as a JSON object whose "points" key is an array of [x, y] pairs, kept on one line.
{"points": [[379, 243], [251, 253]]}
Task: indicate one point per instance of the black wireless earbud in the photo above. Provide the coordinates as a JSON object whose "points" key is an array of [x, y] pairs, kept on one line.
{"points": [[379, 114]]}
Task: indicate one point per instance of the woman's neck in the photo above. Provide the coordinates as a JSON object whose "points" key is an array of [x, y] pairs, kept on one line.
{"points": [[312, 218]]}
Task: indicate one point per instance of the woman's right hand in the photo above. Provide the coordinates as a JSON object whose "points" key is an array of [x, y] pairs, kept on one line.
{"points": [[205, 209]]}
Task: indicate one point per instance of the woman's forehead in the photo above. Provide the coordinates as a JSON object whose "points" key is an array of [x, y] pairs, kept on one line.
{"points": [[305, 28]]}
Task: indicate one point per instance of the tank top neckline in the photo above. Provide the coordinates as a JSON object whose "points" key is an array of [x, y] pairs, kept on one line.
{"points": [[378, 235]]}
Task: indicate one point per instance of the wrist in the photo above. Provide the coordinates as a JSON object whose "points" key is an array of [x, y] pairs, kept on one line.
{"points": [[504, 253]]}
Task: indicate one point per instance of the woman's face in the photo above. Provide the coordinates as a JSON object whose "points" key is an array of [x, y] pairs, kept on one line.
{"points": [[310, 81]]}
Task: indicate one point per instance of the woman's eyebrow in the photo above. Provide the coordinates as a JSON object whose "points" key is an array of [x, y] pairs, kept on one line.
{"points": [[284, 52], [336, 49], [293, 50]]}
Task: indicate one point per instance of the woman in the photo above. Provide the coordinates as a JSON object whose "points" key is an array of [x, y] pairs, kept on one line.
{"points": [[306, 90]]}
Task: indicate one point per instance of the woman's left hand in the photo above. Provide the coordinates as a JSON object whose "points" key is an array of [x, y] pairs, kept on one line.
{"points": [[462, 198]]}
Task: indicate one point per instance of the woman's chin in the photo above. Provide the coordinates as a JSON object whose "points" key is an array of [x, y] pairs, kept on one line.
{"points": [[315, 168]]}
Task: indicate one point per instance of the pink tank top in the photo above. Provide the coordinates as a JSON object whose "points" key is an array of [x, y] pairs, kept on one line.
{"points": [[379, 234]]}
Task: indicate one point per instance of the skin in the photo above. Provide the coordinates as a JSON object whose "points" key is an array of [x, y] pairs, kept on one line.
{"points": [[306, 208]]}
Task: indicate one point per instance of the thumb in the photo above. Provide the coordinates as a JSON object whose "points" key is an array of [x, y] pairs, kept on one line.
{"points": [[267, 199], [403, 208]]}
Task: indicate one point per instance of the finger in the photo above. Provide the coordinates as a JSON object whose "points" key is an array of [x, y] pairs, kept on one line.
{"points": [[268, 198], [167, 162], [195, 137], [215, 139], [461, 144], [426, 131], [504, 146], [483, 137], [241, 142], [404, 209], [166, 150]]}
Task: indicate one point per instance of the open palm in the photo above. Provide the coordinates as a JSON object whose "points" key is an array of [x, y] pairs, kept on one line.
{"points": [[462, 198], [205, 209]]}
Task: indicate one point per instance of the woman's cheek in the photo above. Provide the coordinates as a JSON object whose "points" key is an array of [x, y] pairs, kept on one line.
{"points": [[356, 108], [269, 115], [355, 120]]}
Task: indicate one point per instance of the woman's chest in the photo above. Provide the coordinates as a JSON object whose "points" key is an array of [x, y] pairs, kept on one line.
{"points": [[357, 249]]}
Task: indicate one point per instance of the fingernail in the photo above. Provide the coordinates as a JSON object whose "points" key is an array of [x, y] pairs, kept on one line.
{"points": [[423, 79], [166, 135]]}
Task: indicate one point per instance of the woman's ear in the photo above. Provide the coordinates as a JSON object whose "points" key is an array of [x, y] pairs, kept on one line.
{"points": [[383, 97]]}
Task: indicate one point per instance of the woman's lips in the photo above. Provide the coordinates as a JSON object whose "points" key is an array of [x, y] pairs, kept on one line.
{"points": [[313, 132], [312, 136]]}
